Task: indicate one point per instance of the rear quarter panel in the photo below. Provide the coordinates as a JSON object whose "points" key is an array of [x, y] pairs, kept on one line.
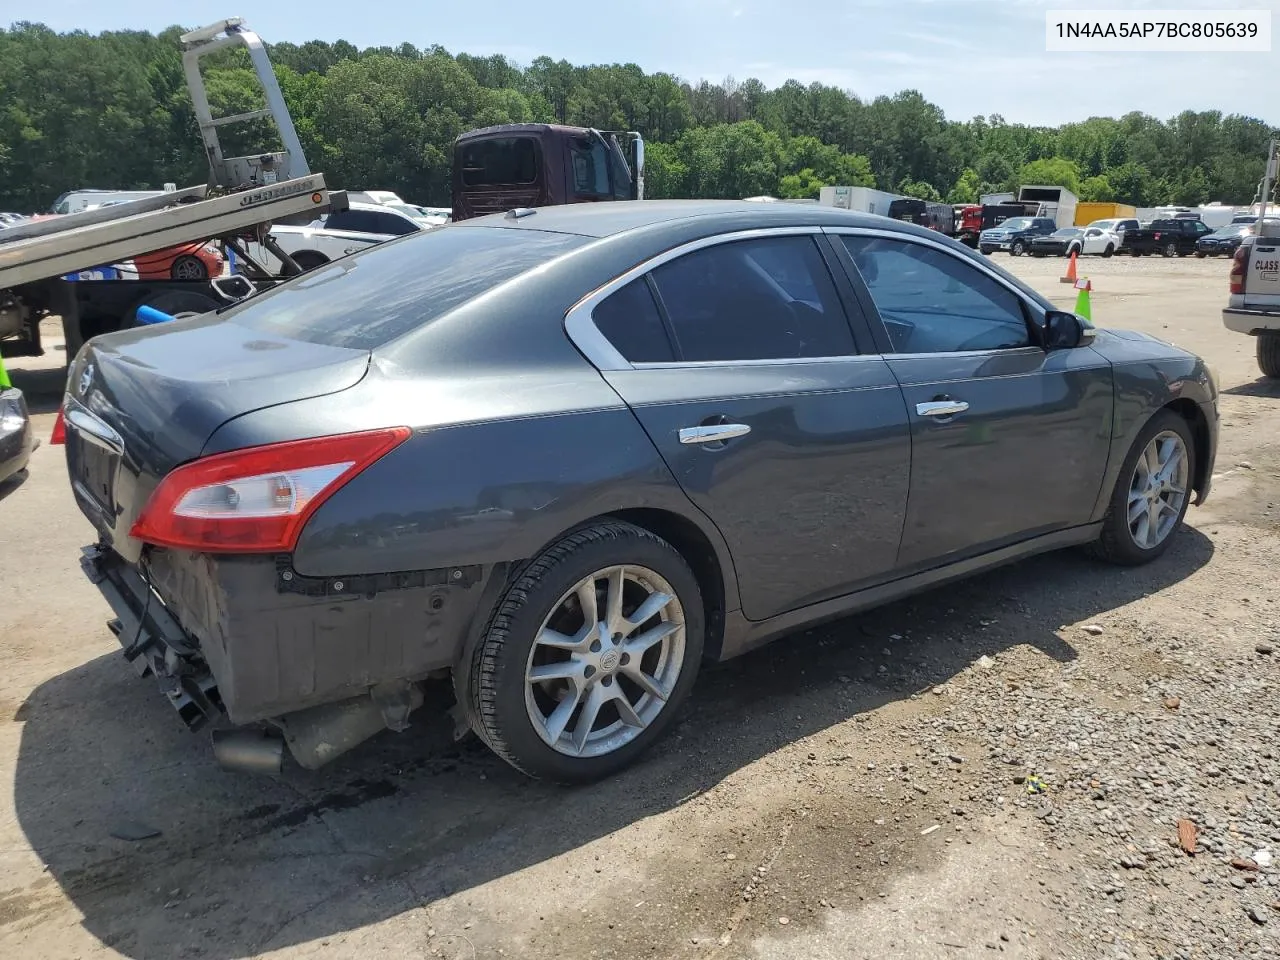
{"points": [[536, 455]]}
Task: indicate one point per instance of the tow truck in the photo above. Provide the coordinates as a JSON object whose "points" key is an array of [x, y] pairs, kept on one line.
{"points": [[243, 197], [496, 169], [1254, 304]]}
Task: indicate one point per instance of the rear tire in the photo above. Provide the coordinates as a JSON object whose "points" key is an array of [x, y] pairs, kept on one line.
{"points": [[1118, 543], [1170, 250], [1268, 348], [516, 714]]}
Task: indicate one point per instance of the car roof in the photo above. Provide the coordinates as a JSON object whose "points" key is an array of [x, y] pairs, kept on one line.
{"points": [[608, 219]]}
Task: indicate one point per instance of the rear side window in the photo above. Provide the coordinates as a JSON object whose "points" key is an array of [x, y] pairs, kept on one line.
{"points": [[630, 320], [766, 299], [502, 161], [393, 225], [375, 295]]}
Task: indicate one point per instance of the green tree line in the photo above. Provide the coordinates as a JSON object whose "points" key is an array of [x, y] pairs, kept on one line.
{"points": [[112, 110]]}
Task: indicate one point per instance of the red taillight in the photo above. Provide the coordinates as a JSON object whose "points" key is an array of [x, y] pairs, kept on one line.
{"points": [[1239, 262], [59, 434], [256, 500]]}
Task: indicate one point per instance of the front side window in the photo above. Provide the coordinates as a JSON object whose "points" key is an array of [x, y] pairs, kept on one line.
{"points": [[761, 299], [933, 302], [589, 158]]}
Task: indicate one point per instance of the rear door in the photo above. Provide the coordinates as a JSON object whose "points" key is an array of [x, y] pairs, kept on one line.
{"points": [[1008, 441], [736, 355]]}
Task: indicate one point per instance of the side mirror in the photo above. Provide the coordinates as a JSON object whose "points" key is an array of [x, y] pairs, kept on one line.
{"points": [[1065, 331]]}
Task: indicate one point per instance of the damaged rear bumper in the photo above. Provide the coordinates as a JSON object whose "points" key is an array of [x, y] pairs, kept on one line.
{"points": [[153, 641], [327, 664]]}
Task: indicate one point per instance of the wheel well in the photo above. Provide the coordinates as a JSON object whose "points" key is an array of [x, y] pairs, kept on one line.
{"points": [[698, 552], [1190, 411]]}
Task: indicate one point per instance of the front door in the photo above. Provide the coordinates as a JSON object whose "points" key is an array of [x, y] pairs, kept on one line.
{"points": [[1008, 441], [750, 386]]}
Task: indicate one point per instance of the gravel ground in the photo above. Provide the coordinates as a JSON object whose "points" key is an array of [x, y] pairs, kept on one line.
{"points": [[995, 769]]}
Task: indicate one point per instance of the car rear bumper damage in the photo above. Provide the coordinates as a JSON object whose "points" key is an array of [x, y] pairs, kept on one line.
{"points": [[325, 664]]}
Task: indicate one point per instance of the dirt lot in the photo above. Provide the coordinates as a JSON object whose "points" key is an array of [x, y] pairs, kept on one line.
{"points": [[860, 791]]}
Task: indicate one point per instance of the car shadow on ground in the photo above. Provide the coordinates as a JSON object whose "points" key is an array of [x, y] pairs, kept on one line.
{"points": [[245, 864], [1262, 387], [42, 388]]}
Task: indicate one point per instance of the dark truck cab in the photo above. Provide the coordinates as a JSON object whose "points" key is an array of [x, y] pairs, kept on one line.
{"points": [[1170, 237], [501, 168]]}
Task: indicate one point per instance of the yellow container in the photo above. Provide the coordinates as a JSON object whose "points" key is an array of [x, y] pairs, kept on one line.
{"points": [[1090, 211]]}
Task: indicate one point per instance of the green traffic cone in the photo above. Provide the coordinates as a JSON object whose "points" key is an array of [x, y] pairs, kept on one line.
{"points": [[1082, 299], [4, 377]]}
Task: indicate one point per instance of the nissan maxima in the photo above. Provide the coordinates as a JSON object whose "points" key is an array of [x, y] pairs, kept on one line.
{"points": [[560, 457]]}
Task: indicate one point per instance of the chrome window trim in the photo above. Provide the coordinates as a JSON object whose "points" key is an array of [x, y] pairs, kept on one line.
{"points": [[595, 346], [1037, 311]]}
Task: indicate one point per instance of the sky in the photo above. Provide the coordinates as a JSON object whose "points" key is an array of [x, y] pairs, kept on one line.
{"points": [[970, 57]]}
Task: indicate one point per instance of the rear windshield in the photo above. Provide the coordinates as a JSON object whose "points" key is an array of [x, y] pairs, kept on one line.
{"points": [[501, 161], [369, 298]]}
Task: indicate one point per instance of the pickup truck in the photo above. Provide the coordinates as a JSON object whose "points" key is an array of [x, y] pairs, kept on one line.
{"points": [[1171, 238], [1015, 234], [1254, 304]]}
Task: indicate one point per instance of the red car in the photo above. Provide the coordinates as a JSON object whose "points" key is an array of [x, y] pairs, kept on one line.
{"points": [[186, 261]]}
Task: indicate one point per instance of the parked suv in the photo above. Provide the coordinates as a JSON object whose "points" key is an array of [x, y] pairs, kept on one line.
{"points": [[1015, 234]]}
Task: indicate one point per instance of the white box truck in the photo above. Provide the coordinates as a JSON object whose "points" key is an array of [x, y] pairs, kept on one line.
{"points": [[1056, 203], [862, 199]]}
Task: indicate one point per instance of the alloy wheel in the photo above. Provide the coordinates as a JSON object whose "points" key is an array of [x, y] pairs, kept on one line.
{"points": [[605, 661], [1157, 490]]}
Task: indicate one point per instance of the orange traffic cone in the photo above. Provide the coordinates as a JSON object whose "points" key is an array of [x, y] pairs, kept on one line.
{"points": [[1071, 270]]}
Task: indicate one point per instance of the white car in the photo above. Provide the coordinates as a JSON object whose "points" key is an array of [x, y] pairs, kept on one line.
{"points": [[337, 235], [1083, 241]]}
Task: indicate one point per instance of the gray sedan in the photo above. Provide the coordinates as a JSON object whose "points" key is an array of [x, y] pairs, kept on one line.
{"points": [[562, 456]]}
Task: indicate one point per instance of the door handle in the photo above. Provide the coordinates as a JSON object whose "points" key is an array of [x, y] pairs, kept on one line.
{"points": [[941, 408], [713, 433]]}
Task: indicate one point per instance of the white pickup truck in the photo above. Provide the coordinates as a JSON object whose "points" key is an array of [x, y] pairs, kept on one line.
{"points": [[339, 234], [1254, 306]]}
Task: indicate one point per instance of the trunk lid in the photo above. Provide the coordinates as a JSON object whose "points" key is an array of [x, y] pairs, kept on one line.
{"points": [[141, 402]]}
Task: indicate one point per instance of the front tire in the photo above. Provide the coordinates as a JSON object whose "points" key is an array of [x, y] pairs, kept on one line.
{"points": [[1268, 348], [1017, 248], [1152, 493], [1110, 251], [567, 684]]}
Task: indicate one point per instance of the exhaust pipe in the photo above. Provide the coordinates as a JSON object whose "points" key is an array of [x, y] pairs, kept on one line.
{"points": [[248, 751], [320, 734]]}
